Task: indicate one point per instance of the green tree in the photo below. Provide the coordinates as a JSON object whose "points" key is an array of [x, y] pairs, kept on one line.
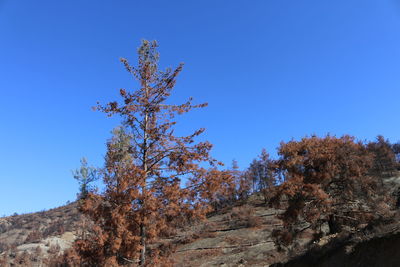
{"points": [[85, 175]]}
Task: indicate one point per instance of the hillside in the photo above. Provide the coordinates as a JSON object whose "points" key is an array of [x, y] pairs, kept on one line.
{"points": [[235, 236], [40, 233]]}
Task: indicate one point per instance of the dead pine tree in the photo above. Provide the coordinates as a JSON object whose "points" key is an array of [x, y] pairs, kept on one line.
{"points": [[146, 165]]}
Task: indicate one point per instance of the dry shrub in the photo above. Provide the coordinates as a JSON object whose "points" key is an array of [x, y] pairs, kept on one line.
{"points": [[195, 255], [188, 239], [3, 247], [195, 236], [244, 216], [208, 226], [227, 217], [238, 250], [281, 238], [254, 221], [4, 259], [168, 232], [184, 240], [207, 230], [54, 249], [166, 248], [67, 259], [157, 260], [242, 212], [207, 234], [23, 259], [55, 228], [38, 253], [233, 240], [34, 237]]}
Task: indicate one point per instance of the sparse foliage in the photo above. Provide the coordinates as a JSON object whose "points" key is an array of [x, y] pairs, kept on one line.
{"points": [[34, 237], [146, 165]]}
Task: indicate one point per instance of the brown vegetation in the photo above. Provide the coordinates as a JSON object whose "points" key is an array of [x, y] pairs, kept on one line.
{"points": [[328, 181], [145, 163]]}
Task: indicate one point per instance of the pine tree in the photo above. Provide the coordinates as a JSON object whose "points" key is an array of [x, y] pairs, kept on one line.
{"points": [[242, 185], [85, 175], [385, 163], [146, 166], [261, 174]]}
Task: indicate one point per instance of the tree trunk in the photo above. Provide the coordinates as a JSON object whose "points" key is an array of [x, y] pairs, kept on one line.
{"points": [[142, 226], [333, 225], [143, 243]]}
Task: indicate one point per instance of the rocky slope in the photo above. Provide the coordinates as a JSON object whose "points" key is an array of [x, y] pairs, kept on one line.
{"points": [[36, 235]]}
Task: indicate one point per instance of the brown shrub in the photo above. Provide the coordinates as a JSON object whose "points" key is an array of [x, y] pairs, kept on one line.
{"points": [[38, 253], [34, 237], [23, 259], [233, 240], [67, 259], [3, 247], [203, 254], [168, 232], [55, 228], [244, 216], [4, 258], [254, 222], [54, 249]]}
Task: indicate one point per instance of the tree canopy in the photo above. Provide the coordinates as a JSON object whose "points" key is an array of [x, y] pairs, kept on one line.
{"points": [[327, 181]]}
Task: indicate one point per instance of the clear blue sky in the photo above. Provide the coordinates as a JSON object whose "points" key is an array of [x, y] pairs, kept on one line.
{"points": [[270, 70]]}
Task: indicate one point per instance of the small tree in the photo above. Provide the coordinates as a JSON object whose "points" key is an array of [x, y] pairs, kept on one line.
{"points": [[241, 186], [85, 175], [327, 181], [384, 163], [262, 175], [146, 164], [396, 151]]}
